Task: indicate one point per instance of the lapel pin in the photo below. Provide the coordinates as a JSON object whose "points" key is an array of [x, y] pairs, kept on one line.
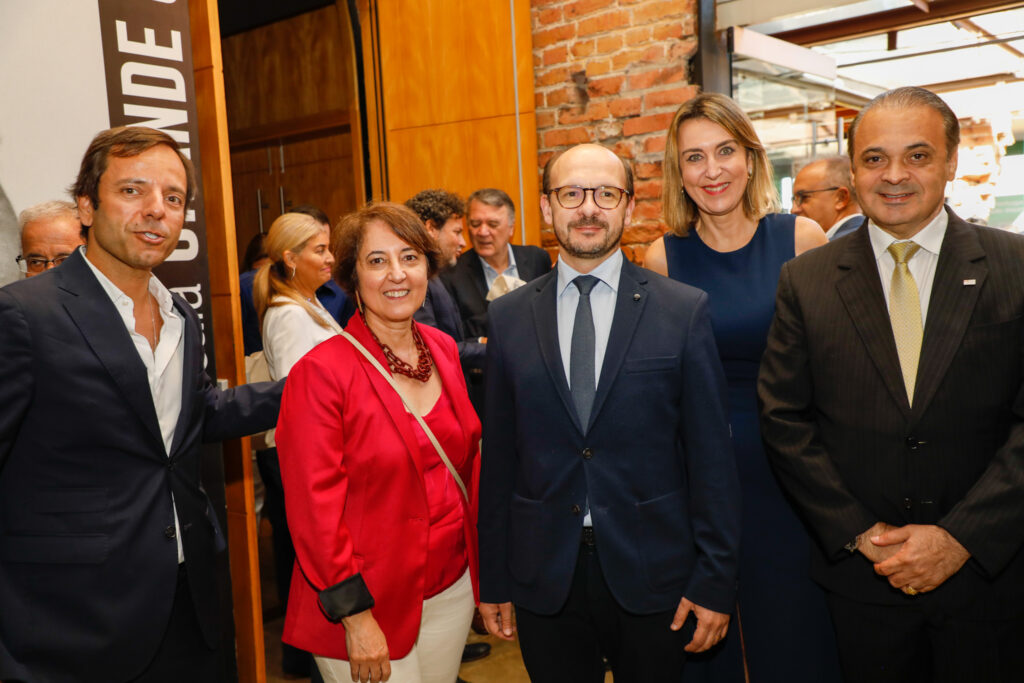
{"points": [[636, 297], [970, 283]]}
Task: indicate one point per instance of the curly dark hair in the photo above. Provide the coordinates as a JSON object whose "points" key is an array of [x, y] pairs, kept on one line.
{"points": [[348, 239], [437, 205]]}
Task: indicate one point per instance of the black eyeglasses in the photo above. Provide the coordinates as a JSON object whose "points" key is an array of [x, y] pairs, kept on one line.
{"points": [[33, 264], [573, 196], [801, 196]]}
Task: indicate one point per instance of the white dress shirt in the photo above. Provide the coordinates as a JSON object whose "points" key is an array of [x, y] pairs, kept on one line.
{"points": [[602, 306], [490, 274], [164, 365], [921, 264]]}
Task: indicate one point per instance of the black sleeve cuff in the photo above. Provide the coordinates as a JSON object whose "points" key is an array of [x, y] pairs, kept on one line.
{"points": [[351, 596]]}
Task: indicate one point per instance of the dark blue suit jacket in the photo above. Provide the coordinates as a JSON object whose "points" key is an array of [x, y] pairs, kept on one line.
{"points": [[656, 462], [848, 226], [88, 556], [439, 311]]}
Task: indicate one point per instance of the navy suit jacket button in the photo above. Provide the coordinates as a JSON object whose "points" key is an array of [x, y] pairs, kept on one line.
{"points": [[170, 532], [587, 454], [912, 443], [576, 509]]}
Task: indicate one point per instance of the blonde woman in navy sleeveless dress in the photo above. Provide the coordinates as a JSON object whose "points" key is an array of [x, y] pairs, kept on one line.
{"points": [[724, 238]]}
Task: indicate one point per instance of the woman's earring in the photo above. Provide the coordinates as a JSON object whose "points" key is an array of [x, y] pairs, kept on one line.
{"points": [[293, 271]]}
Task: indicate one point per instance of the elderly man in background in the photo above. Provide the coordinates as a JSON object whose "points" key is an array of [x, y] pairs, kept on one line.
{"points": [[823, 192], [50, 232]]}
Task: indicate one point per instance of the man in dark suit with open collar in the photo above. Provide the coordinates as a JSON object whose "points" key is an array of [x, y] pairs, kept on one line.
{"points": [[823, 192], [107, 540], [490, 215], [609, 500], [892, 393]]}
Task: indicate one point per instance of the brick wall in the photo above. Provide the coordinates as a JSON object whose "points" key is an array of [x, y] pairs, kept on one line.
{"points": [[613, 72]]}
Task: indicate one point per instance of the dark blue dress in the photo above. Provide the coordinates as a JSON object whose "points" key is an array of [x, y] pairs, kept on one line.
{"points": [[786, 628]]}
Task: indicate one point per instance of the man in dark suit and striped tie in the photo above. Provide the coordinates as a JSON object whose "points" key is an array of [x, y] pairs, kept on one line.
{"points": [[892, 394]]}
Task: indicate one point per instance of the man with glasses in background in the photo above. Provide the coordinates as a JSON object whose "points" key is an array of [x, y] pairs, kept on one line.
{"points": [[609, 500], [50, 232], [823, 192]]}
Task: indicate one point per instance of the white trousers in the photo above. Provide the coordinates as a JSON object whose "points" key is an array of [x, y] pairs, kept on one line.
{"points": [[437, 653]]}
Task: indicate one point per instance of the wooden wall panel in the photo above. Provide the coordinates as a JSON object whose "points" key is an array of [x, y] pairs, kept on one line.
{"points": [[450, 60], [290, 69], [448, 93], [465, 156]]}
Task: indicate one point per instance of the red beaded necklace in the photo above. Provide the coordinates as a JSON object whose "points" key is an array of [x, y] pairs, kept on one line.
{"points": [[424, 365]]}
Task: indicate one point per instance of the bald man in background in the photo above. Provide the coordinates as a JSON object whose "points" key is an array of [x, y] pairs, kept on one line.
{"points": [[823, 192]]}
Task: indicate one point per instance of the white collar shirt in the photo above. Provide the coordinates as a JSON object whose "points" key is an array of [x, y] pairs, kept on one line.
{"points": [[164, 365], [490, 274], [921, 264]]}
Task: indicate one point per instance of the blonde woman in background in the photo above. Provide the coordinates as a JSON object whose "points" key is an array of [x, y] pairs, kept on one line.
{"points": [[720, 203], [293, 322]]}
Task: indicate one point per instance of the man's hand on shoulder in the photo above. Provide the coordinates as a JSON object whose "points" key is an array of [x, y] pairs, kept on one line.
{"points": [[928, 555], [711, 626], [498, 619]]}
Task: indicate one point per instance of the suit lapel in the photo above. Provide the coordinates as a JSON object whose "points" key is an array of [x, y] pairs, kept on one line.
{"points": [[476, 269], [191, 358], [949, 310], [545, 321], [629, 305], [94, 314], [860, 289]]}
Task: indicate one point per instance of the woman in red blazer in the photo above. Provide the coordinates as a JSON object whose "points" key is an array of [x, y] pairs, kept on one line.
{"points": [[385, 540]]}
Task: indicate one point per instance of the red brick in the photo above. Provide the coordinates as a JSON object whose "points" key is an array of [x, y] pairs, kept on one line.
{"points": [[552, 76], [622, 107], [595, 111], [553, 35], [648, 169], [606, 44], [545, 119], [672, 97], [542, 159], [560, 137], [537, 60], [556, 55], [560, 96], [542, 3], [625, 58], [581, 7], [642, 232], [647, 208], [538, 100], [624, 148], [601, 23], [668, 30], [655, 143], [582, 48], [654, 11], [637, 36], [684, 49], [651, 77], [647, 124], [648, 189], [605, 86], [598, 67], [552, 15], [608, 129]]}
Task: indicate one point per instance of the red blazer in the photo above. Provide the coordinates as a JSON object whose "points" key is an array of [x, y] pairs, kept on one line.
{"points": [[354, 492]]}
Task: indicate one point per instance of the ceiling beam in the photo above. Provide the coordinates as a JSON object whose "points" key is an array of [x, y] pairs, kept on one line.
{"points": [[893, 20], [971, 27]]}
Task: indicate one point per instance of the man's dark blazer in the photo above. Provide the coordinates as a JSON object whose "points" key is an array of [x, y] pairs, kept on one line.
{"points": [[468, 286], [439, 311], [656, 460], [88, 556], [847, 226], [851, 451]]}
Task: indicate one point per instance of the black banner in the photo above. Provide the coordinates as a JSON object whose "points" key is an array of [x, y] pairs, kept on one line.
{"points": [[147, 55]]}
